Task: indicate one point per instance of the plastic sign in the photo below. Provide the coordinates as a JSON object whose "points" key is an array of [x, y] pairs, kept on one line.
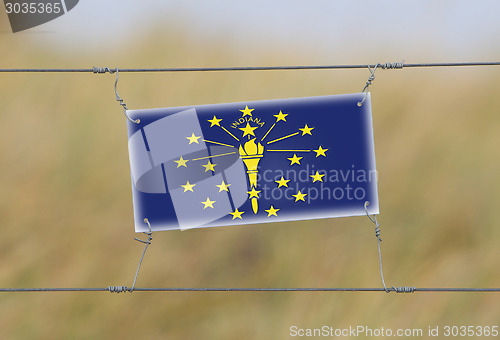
{"points": [[252, 162]]}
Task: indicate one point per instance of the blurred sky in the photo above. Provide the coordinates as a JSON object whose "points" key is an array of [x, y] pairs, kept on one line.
{"points": [[447, 30]]}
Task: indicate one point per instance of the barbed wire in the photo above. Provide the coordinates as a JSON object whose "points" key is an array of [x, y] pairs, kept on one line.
{"points": [[398, 65], [121, 289]]}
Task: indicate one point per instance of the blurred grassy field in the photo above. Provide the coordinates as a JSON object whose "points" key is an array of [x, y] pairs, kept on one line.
{"points": [[66, 207]]}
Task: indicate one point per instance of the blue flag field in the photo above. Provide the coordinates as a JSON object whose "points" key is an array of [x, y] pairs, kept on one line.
{"points": [[252, 162]]}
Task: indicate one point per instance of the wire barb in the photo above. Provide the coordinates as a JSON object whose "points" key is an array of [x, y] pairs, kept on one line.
{"points": [[392, 66], [102, 70], [117, 289], [404, 289]]}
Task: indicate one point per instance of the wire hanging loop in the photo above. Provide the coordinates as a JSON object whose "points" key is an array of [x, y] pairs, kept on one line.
{"points": [[147, 243], [120, 100], [377, 235], [102, 70], [122, 289], [373, 218], [368, 83]]}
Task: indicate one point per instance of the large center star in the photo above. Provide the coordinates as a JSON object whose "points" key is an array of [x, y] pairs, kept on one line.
{"points": [[281, 116], [320, 151], [282, 182], [188, 187], [208, 203], [193, 139], [181, 162], [299, 197], [248, 130], [209, 166], [247, 111], [317, 177], [237, 214], [214, 121], [295, 159], [271, 211], [306, 130]]}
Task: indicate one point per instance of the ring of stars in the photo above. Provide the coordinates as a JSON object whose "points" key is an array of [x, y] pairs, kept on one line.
{"points": [[249, 130]]}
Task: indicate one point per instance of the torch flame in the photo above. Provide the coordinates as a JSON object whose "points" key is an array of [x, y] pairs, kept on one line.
{"points": [[251, 153]]}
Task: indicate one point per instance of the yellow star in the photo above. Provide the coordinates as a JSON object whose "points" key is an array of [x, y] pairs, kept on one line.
{"points": [[317, 177], [247, 111], [188, 187], [209, 166], [223, 186], [295, 160], [214, 121], [271, 211], [306, 130], [208, 203], [281, 116], [237, 214], [254, 193], [282, 182], [248, 130], [181, 162], [320, 151], [300, 196], [193, 139]]}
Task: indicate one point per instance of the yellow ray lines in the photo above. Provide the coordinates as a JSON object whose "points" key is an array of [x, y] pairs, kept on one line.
{"points": [[211, 141], [279, 116], [216, 122], [275, 140], [268, 131], [223, 128], [222, 154]]}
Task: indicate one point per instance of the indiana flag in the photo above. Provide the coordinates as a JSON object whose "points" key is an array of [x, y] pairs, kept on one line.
{"points": [[252, 162]]}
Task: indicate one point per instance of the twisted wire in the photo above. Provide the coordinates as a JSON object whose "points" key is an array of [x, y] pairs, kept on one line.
{"points": [[404, 289], [392, 66], [379, 239], [120, 289], [377, 234], [118, 99], [251, 68], [147, 243], [117, 289], [368, 83]]}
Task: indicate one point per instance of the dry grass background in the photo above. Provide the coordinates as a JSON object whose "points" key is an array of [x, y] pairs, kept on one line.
{"points": [[66, 208]]}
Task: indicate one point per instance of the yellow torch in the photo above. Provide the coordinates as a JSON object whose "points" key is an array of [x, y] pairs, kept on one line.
{"points": [[251, 153]]}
